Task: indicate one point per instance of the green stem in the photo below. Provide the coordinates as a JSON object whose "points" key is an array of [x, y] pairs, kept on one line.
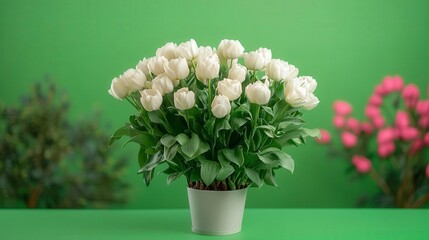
{"points": [[255, 120], [132, 103], [209, 97]]}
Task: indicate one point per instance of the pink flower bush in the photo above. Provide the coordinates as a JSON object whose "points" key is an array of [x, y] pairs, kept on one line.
{"points": [[385, 145]]}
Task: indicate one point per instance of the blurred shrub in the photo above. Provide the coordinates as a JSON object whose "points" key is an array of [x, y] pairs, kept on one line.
{"points": [[48, 162]]}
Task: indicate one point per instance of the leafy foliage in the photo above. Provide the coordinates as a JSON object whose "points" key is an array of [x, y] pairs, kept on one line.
{"points": [[48, 162]]}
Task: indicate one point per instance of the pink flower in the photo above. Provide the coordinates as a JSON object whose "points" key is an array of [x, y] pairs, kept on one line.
{"points": [[409, 133], [339, 121], [398, 82], [362, 164], [325, 137], [385, 135], [353, 124], [366, 127], [376, 100], [427, 171], [379, 89], [410, 94], [402, 119], [378, 121], [426, 139], [349, 139], [388, 84], [385, 149], [416, 146], [372, 111], [422, 107], [424, 122], [342, 107]]}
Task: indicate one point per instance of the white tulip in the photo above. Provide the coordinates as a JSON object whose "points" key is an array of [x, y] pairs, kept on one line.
{"points": [[156, 64], [277, 70], [184, 99], [230, 88], [151, 99], [221, 106], [118, 89], [169, 51], [299, 92], [207, 68], [143, 66], [257, 60], [258, 92], [237, 72], [206, 52], [188, 50], [230, 49], [177, 69], [134, 79], [292, 72], [162, 84]]}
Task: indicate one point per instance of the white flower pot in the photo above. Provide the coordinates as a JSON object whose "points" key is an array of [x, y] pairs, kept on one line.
{"points": [[216, 212]]}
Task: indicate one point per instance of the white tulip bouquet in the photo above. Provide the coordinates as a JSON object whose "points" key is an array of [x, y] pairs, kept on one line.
{"points": [[205, 116]]}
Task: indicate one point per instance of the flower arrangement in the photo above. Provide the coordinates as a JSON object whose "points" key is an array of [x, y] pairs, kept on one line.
{"points": [[392, 151], [221, 124]]}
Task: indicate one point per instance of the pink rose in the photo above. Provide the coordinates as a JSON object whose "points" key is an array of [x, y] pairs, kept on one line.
{"points": [[410, 94], [325, 137], [424, 122], [376, 100], [409, 133], [385, 149], [402, 119], [349, 139], [385, 135], [398, 83], [366, 127], [339, 121], [362, 164], [353, 124], [422, 107], [378, 121], [372, 111], [426, 139], [342, 107]]}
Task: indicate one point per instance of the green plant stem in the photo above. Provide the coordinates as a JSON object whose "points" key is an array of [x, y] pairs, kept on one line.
{"points": [[209, 97], [380, 182], [255, 120], [421, 201], [132, 103]]}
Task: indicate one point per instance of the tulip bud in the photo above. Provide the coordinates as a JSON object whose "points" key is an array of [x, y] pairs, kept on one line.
{"points": [[156, 64], [188, 50], [230, 49], [169, 51], [134, 79], [184, 99], [237, 72], [220, 106], [257, 60], [207, 68], [207, 51], [410, 94], [177, 69], [118, 89], [143, 66], [349, 139], [230, 88], [162, 84], [299, 92], [151, 99], [258, 93], [342, 107], [402, 120], [362, 164]]}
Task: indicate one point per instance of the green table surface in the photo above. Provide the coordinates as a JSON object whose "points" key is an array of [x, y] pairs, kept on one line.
{"points": [[175, 224]]}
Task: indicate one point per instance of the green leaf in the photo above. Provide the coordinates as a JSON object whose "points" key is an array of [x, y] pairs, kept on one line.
{"points": [[173, 177], [153, 162], [209, 171], [237, 122], [142, 157], [268, 130], [182, 139], [311, 132], [270, 178], [232, 155], [120, 132], [168, 140], [170, 152], [222, 124], [191, 146], [147, 177], [287, 162], [143, 138], [225, 172], [254, 176], [268, 110], [276, 157]]}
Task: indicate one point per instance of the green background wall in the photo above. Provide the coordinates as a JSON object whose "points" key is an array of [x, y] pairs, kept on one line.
{"points": [[348, 46]]}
